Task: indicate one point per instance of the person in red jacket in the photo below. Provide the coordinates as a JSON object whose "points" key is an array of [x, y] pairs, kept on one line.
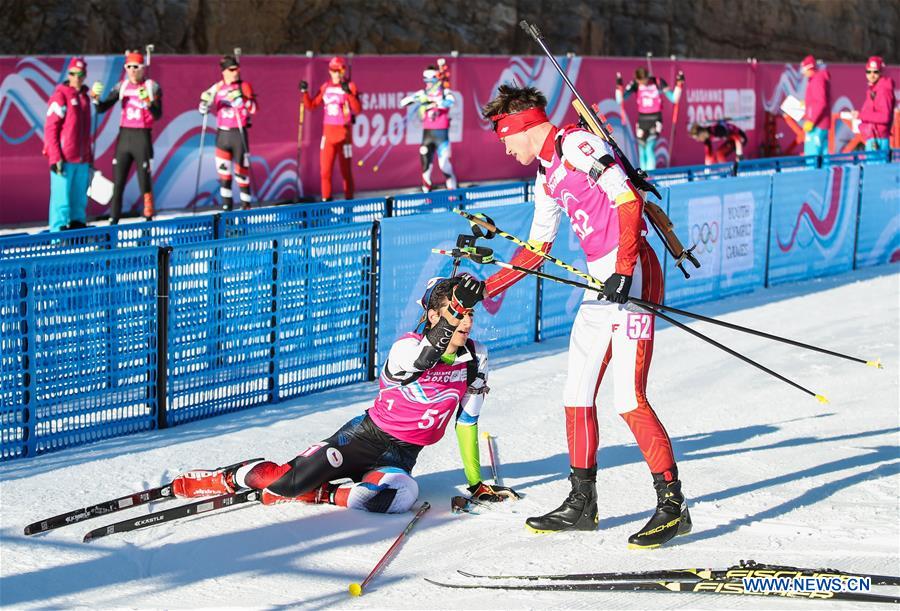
{"points": [[67, 146], [341, 100], [817, 117], [877, 114]]}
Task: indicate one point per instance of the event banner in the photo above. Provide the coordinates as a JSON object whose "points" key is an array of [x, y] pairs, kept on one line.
{"points": [[727, 220], [813, 222], [385, 136], [878, 234]]}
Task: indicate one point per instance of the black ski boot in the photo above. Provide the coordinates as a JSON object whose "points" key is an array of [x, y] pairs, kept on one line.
{"points": [[671, 518], [578, 511]]}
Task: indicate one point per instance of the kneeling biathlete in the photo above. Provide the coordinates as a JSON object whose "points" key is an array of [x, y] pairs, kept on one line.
{"points": [[427, 378]]}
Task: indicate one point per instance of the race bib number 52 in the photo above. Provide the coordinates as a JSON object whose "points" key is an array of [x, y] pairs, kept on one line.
{"points": [[640, 326]]}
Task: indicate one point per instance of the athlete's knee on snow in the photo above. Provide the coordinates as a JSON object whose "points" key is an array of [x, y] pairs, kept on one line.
{"points": [[384, 490]]}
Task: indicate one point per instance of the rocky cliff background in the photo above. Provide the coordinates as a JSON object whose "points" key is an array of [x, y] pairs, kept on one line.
{"points": [[833, 30]]}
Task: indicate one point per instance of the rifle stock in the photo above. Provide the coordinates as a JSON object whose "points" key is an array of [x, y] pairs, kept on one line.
{"points": [[658, 218]]}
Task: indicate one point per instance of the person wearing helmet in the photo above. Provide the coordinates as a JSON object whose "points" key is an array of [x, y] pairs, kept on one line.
{"points": [[877, 113], [429, 379], [233, 102], [141, 100], [434, 101], [340, 98]]}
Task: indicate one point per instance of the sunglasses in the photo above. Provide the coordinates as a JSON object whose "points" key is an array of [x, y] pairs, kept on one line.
{"points": [[132, 66], [233, 69], [76, 74], [873, 71]]}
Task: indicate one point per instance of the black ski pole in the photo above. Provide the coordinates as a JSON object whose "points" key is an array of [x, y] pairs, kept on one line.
{"points": [[484, 259], [487, 225]]}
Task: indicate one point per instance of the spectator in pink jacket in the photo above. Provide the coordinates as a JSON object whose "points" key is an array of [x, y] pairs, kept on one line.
{"points": [[67, 146], [877, 114], [817, 118]]}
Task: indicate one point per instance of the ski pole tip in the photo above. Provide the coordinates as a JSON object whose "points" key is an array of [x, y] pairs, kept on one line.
{"points": [[876, 364], [485, 434], [822, 399], [355, 589]]}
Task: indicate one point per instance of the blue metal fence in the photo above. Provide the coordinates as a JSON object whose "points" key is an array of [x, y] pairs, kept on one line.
{"points": [[255, 320], [116, 340], [78, 349], [171, 232]]}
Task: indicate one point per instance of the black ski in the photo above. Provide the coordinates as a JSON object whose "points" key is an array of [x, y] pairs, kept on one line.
{"points": [[747, 568], [161, 493], [182, 511], [704, 586]]}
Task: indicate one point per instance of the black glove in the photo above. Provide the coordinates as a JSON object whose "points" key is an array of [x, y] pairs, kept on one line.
{"points": [[492, 494], [345, 86], [466, 294], [619, 81], [616, 288], [304, 86], [57, 168]]}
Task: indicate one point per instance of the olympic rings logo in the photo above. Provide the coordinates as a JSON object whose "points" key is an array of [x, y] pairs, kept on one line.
{"points": [[706, 235]]}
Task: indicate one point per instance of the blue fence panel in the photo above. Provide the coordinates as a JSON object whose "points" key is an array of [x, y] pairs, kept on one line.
{"points": [[423, 203], [324, 309], [666, 177], [878, 238], [813, 223], [728, 221], [254, 320], [78, 349], [171, 232], [57, 242], [495, 195], [241, 223], [773, 165], [407, 264], [857, 157]]}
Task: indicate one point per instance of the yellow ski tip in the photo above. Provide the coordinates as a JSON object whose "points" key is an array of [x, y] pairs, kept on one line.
{"points": [[876, 364], [822, 399]]}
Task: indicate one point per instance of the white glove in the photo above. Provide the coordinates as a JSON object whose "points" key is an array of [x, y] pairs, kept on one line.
{"points": [[203, 108]]}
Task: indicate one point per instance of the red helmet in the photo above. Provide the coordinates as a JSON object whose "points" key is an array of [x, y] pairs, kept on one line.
{"points": [[337, 63]]}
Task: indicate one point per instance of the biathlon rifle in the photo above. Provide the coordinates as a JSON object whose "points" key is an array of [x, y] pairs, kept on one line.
{"points": [[595, 122]]}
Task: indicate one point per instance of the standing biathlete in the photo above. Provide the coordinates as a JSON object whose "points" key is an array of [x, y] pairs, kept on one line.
{"points": [[435, 101], [141, 105], [429, 380], [233, 102], [649, 90], [579, 176], [340, 98]]}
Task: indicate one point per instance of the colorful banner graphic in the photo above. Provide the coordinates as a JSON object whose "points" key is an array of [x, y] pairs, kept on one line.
{"points": [[385, 136]]}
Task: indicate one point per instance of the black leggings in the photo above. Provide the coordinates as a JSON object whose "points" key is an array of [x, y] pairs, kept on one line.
{"points": [[355, 449], [134, 144]]}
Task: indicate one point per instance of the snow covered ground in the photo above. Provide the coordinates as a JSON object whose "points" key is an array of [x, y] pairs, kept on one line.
{"points": [[771, 475]]}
